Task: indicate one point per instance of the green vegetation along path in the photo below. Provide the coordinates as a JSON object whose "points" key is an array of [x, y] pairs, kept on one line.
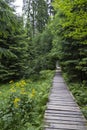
{"points": [[62, 112]]}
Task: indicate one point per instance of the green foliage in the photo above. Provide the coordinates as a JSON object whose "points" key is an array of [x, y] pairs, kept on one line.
{"points": [[42, 15], [80, 93], [42, 45], [7, 26], [14, 57], [21, 55], [18, 108], [25, 103], [36, 12], [69, 27], [13, 45]]}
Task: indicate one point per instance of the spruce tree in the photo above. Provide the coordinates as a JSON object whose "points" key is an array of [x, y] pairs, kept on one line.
{"points": [[13, 45], [36, 12], [72, 30], [42, 15]]}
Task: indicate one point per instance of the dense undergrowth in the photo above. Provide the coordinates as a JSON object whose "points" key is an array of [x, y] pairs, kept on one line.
{"points": [[22, 103], [79, 90], [80, 93]]}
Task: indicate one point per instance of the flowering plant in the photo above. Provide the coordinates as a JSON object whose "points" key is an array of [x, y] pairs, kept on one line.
{"points": [[19, 106]]}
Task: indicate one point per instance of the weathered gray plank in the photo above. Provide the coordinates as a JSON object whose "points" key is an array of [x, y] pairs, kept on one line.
{"points": [[63, 98], [61, 103], [53, 107], [55, 129], [66, 126], [60, 99], [64, 122], [63, 115], [55, 100], [65, 118], [64, 112]]}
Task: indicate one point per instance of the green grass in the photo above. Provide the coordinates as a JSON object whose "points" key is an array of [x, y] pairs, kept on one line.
{"points": [[30, 112]]}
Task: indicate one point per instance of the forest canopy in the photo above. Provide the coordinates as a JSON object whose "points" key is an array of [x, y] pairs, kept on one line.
{"points": [[48, 31]]}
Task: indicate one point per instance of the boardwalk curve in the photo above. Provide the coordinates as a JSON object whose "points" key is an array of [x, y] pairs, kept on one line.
{"points": [[62, 112]]}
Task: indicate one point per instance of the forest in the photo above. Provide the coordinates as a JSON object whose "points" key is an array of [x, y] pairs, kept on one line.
{"points": [[30, 45]]}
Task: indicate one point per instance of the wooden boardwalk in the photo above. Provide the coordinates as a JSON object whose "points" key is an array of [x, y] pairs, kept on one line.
{"points": [[62, 112]]}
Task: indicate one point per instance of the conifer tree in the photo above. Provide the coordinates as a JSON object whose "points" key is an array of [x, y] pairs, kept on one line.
{"points": [[37, 14], [42, 15], [13, 45], [71, 28]]}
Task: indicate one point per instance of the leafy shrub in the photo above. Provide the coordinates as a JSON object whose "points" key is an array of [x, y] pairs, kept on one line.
{"points": [[19, 107], [80, 93], [25, 103]]}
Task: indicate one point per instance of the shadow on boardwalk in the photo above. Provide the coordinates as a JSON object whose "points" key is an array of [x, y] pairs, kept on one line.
{"points": [[62, 112]]}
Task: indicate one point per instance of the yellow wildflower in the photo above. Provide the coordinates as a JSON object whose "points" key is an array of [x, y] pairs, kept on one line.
{"points": [[33, 93], [13, 90], [16, 101], [11, 81], [17, 84], [23, 91], [23, 83]]}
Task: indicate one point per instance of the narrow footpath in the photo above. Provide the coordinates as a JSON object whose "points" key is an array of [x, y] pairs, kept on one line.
{"points": [[62, 112]]}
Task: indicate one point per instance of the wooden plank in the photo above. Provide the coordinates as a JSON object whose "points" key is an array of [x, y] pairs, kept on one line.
{"points": [[59, 92], [61, 96], [70, 108], [65, 122], [56, 93], [64, 104], [65, 126], [63, 115], [60, 99], [55, 129], [51, 99], [59, 85], [64, 118], [64, 112], [54, 106]]}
